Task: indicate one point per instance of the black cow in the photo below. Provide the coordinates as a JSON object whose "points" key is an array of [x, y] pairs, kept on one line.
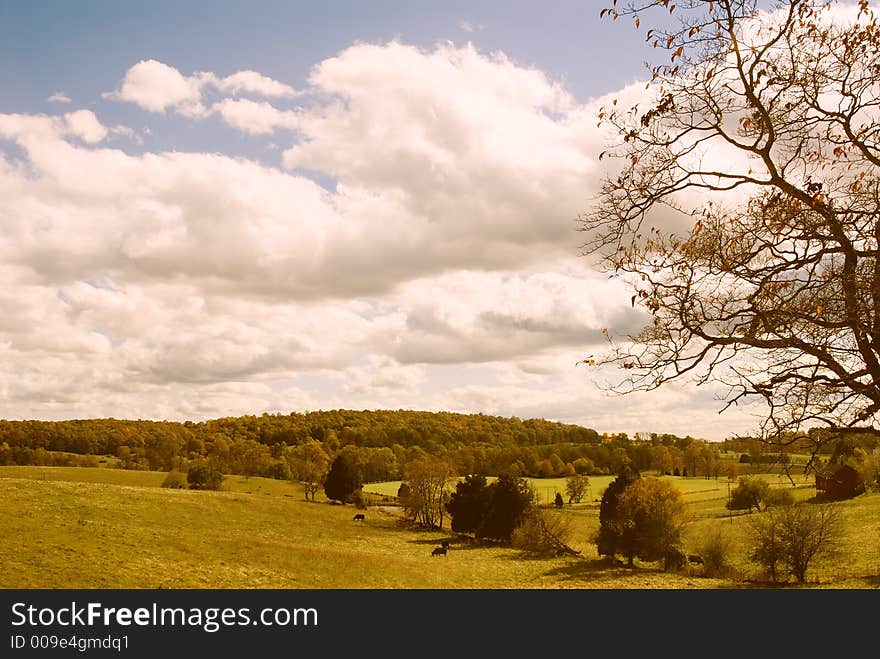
{"points": [[359, 517], [439, 551], [693, 558]]}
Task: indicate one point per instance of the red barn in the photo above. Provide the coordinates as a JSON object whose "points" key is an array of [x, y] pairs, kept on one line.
{"points": [[839, 482]]}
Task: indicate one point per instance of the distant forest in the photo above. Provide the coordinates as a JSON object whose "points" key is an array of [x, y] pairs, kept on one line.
{"points": [[381, 442]]}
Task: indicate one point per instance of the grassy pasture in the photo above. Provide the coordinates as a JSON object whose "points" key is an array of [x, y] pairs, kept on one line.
{"points": [[102, 528]]}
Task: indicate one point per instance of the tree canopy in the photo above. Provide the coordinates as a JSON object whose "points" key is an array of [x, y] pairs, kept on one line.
{"points": [[743, 207], [342, 479]]}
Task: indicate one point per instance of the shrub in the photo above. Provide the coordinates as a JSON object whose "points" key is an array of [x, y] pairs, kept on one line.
{"points": [[778, 497], [715, 548], [175, 480], [203, 476], [278, 470], [543, 532], [359, 500], [750, 493]]}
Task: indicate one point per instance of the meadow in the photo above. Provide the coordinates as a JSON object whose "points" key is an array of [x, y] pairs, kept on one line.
{"points": [[74, 527]]}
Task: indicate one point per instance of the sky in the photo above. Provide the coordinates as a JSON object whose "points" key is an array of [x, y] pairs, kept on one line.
{"points": [[221, 208]]}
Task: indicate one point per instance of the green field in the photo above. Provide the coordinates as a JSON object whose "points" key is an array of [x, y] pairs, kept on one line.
{"points": [[70, 527]]}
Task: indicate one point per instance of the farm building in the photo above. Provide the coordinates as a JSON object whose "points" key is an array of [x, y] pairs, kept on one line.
{"points": [[839, 481]]}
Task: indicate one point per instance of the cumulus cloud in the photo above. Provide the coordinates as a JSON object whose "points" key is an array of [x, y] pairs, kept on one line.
{"points": [[157, 87], [59, 97], [85, 125], [253, 83], [439, 273], [256, 118]]}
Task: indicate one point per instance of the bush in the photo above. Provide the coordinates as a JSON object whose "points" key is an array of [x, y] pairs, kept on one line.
{"points": [[714, 549], [778, 497], [278, 470], [175, 480], [202, 476], [750, 493], [542, 532], [359, 500]]}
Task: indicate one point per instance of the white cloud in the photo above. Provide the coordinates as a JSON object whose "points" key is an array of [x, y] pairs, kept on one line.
{"points": [[85, 125], [126, 131], [440, 272], [253, 117], [254, 83], [157, 87], [59, 97]]}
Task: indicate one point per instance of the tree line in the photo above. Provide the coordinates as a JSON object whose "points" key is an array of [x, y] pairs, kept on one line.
{"points": [[380, 443]]}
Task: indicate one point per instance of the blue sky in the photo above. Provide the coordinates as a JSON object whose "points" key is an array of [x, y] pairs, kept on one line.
{"points": [[84, 47], [218, 208]]}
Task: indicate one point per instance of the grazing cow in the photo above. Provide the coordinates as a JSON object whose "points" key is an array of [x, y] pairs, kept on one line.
{"points": [[439, 551], [359, 517], [693, 558]]}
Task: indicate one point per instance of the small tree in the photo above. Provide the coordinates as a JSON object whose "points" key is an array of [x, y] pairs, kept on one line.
{"points": [[558, 502], [342, 479], [609, 540], [203, 476], [427, 479], [467, 505], [732, 471], [750, 493], [793, 536], [576, 487], [510, 498], [308, 463], [651, 513]]}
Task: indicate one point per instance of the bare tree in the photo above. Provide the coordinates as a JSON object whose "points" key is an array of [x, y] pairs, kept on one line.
{"points": [[792, 536], [744, 209]]}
